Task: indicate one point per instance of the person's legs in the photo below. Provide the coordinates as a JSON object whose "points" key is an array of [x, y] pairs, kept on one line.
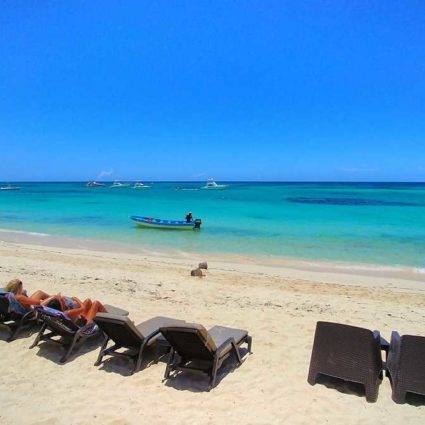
{"points": [[39, 295], [96, 307], [82, 310]]}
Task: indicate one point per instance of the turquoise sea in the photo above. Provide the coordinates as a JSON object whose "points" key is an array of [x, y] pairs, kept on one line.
{"points": [[379, 223]]}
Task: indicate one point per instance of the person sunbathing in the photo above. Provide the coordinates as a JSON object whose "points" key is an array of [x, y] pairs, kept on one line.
{"points": [[16, 287], [74, 308]]}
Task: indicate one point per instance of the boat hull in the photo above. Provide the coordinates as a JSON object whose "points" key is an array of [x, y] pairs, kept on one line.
{"points": [[218, 187], [157, 223]]}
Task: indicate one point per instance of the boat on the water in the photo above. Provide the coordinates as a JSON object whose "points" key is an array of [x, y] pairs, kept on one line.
{"points": [[9, 187], [119, 184], [140, 185], [95, 184], [212, 185], [167, 224]]}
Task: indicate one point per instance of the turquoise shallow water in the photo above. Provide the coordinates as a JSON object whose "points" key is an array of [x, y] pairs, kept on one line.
{"points": [[380, 223]]}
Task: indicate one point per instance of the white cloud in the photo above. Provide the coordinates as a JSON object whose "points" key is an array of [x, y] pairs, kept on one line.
{"points": [[105, 173]]}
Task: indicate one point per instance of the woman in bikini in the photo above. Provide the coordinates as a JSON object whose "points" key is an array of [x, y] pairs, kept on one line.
{"points": [[74, 308], [16, 287]]}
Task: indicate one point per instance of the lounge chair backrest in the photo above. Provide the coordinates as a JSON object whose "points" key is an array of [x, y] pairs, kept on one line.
{"points": [[411, 366], [120, 329], [10, 306], [57, 321], [345, 351], [4, 306], [190, 340]]}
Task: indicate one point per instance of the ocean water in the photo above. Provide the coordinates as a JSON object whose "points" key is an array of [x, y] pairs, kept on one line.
{"points": [[378, 223]]}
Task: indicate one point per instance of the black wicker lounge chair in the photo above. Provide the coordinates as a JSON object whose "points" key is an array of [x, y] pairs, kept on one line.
{"points": [[14, 321], [349, 353], [195, 348], [64, 331], [58, 325], [406, 365], [130, 340]]}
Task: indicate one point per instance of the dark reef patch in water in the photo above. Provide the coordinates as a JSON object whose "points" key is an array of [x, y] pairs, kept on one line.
{"points": [[352, 201]]}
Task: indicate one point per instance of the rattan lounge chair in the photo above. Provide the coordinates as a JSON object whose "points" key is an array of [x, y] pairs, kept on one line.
{"points": [[195, 348], [406, 365], [58, 324], [130, 340], [14, 321], [349, 353]]}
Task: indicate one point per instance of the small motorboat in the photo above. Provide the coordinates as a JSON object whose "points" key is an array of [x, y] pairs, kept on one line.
{"points": [[167, 224], [212, 185], [95, 184], [119, 184], [140, 185], [9, 187]]}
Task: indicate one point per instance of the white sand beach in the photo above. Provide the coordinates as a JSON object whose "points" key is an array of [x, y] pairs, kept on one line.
{"points": [[279, 306]]}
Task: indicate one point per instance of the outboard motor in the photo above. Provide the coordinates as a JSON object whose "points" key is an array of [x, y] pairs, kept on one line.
{"points": [[197, 223]]}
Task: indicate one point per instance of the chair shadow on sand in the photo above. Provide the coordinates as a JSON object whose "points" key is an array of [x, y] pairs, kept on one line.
{"points": [[25, 332], [124, 366], [199, 382], [54, 352], [344, 387]]}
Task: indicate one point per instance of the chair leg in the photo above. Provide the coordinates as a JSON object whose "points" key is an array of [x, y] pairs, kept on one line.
{"points": [[15, 332], [398, 395], [39, 336], [102, 349], [169, 365], [312, 374], [139, 358], [237, 353], [69, 349], [213, 378], [371, 392], [249, 342]]}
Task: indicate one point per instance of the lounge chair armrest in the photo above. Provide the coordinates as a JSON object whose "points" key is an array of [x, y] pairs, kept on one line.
{"points": [[382, 341], [86, 327], [385, 345], [225, 344]]}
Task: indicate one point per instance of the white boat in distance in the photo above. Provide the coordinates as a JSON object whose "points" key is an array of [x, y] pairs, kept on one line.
{"points": [[140, 185], [119, 184], [95, 184], [212, 185], [9, 187]]}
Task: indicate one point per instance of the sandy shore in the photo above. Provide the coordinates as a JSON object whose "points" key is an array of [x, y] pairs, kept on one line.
{"points": [[279, 306]]}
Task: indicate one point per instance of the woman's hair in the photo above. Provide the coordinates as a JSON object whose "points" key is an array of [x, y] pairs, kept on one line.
{"points": [[55, 304], [13, 285]]}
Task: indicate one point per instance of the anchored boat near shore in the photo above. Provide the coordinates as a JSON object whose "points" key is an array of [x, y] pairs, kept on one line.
{"points": [[167, 224]]}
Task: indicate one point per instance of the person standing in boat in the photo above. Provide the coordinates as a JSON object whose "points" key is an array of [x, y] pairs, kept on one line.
{"points": [[189, 217]]}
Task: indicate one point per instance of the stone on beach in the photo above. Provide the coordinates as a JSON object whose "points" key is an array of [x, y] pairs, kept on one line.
{"points": [[203, 265], [197, 272]]}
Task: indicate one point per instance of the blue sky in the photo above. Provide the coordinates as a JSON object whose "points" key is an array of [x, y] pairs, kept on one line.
{"points": [[237, 90]]}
